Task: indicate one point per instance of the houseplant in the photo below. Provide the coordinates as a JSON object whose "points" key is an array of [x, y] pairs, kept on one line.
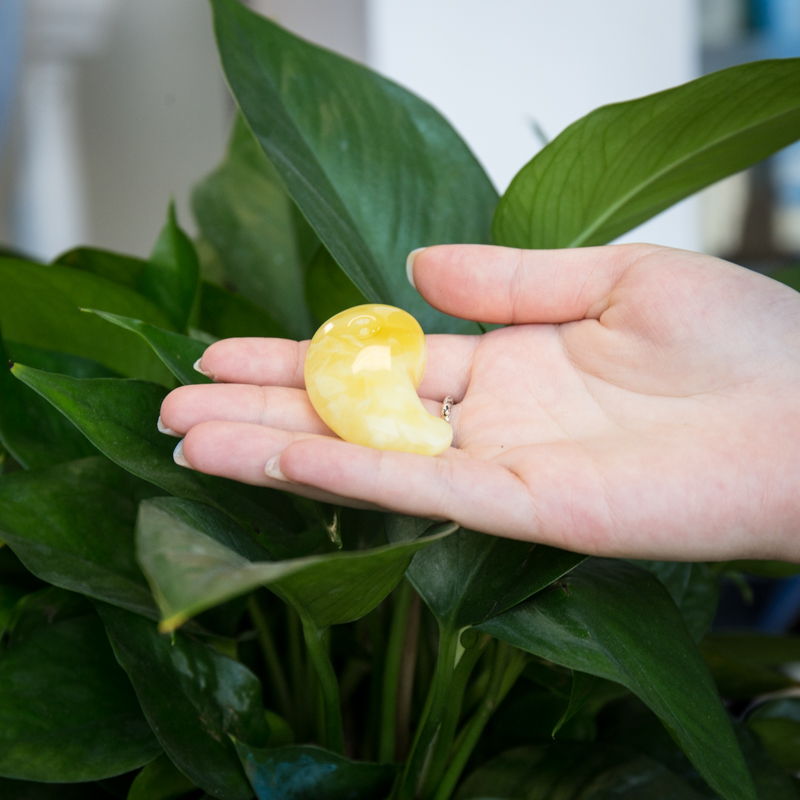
{"points": [[169, 634]]}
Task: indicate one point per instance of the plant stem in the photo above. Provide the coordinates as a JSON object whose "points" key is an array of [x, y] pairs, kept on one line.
{"points": [[297, 672], [395, 650], [428, 728], [317, 651], [274, 666], [452, 712], [508, 665]]}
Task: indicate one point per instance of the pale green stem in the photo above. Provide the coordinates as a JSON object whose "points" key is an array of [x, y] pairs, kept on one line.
{"points": [[391, 673], [318, 653], [428, 728], [508, 666], [452, 713]]}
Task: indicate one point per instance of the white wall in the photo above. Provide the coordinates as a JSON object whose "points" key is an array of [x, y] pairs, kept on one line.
{"points": [[494, 66]]}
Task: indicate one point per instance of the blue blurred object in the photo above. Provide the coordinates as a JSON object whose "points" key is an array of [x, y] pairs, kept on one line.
{"points": [[782, 608], [10, 52]]}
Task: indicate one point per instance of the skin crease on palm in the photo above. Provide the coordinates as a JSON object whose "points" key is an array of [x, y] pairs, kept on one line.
{"points": [[643, 402]]}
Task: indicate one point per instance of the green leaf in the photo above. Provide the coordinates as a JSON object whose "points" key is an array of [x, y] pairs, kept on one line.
{"points": [[72, 525], [328, 289], [624, 163], [311, 773], [178, 352], [40, 306], [469, 577], [173, 272], [195, 699], [572, 771], [122, 269], [160, 780], [195, 559], [118, 417], [68, 711], [375, 170], [243, 209], [31, 430], [693, 587], [225, 315], [617, 621]]}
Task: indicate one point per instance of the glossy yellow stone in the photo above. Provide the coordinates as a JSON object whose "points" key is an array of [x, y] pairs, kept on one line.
{"points": [[362, 369]]}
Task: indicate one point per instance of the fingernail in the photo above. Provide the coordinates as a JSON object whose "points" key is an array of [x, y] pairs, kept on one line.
{"points": [[197, 368], [273, 469], [410, 264], [164, 429], [179, 458]]}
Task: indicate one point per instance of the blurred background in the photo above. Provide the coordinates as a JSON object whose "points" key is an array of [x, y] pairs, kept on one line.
{"points": [[109, 108]]}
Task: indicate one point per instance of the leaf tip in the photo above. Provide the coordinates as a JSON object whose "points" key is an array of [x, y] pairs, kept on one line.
{"points": [[171, 624]]}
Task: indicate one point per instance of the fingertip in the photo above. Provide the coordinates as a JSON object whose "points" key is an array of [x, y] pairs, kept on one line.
{"points": [[412, 256]]}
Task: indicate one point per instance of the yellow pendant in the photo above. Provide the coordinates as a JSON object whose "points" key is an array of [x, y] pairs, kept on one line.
{"points": [[362, 370]]}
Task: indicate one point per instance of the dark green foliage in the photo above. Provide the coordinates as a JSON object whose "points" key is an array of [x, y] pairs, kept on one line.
{"points": [[458, 679]]}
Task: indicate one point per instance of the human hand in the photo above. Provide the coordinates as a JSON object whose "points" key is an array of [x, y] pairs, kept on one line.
{"points": [[644, 402]]}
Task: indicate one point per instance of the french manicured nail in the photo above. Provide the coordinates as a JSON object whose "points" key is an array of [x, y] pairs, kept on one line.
{"points": [[197, 368], [273, 469], [410, 264], [179, 458], [164, 429]]}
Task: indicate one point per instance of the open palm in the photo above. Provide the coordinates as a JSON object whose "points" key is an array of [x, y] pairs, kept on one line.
{"points": [[643, 402]]}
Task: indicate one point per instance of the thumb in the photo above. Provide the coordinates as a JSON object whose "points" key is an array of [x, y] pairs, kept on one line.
{"points": [[507, 285]]}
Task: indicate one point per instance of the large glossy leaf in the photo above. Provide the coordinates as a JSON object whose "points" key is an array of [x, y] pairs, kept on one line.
{"points": [[118, 417], [469, 577], [172, 274], [194, 697], [72, 525], [243, 209], [195, 559], [224, 314], [67, 710], [40, 306], [572, 771], [311, 773], [31, 430], [624, 163], [375, 170], [178, 352], [617, 621], [693, 587]]}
